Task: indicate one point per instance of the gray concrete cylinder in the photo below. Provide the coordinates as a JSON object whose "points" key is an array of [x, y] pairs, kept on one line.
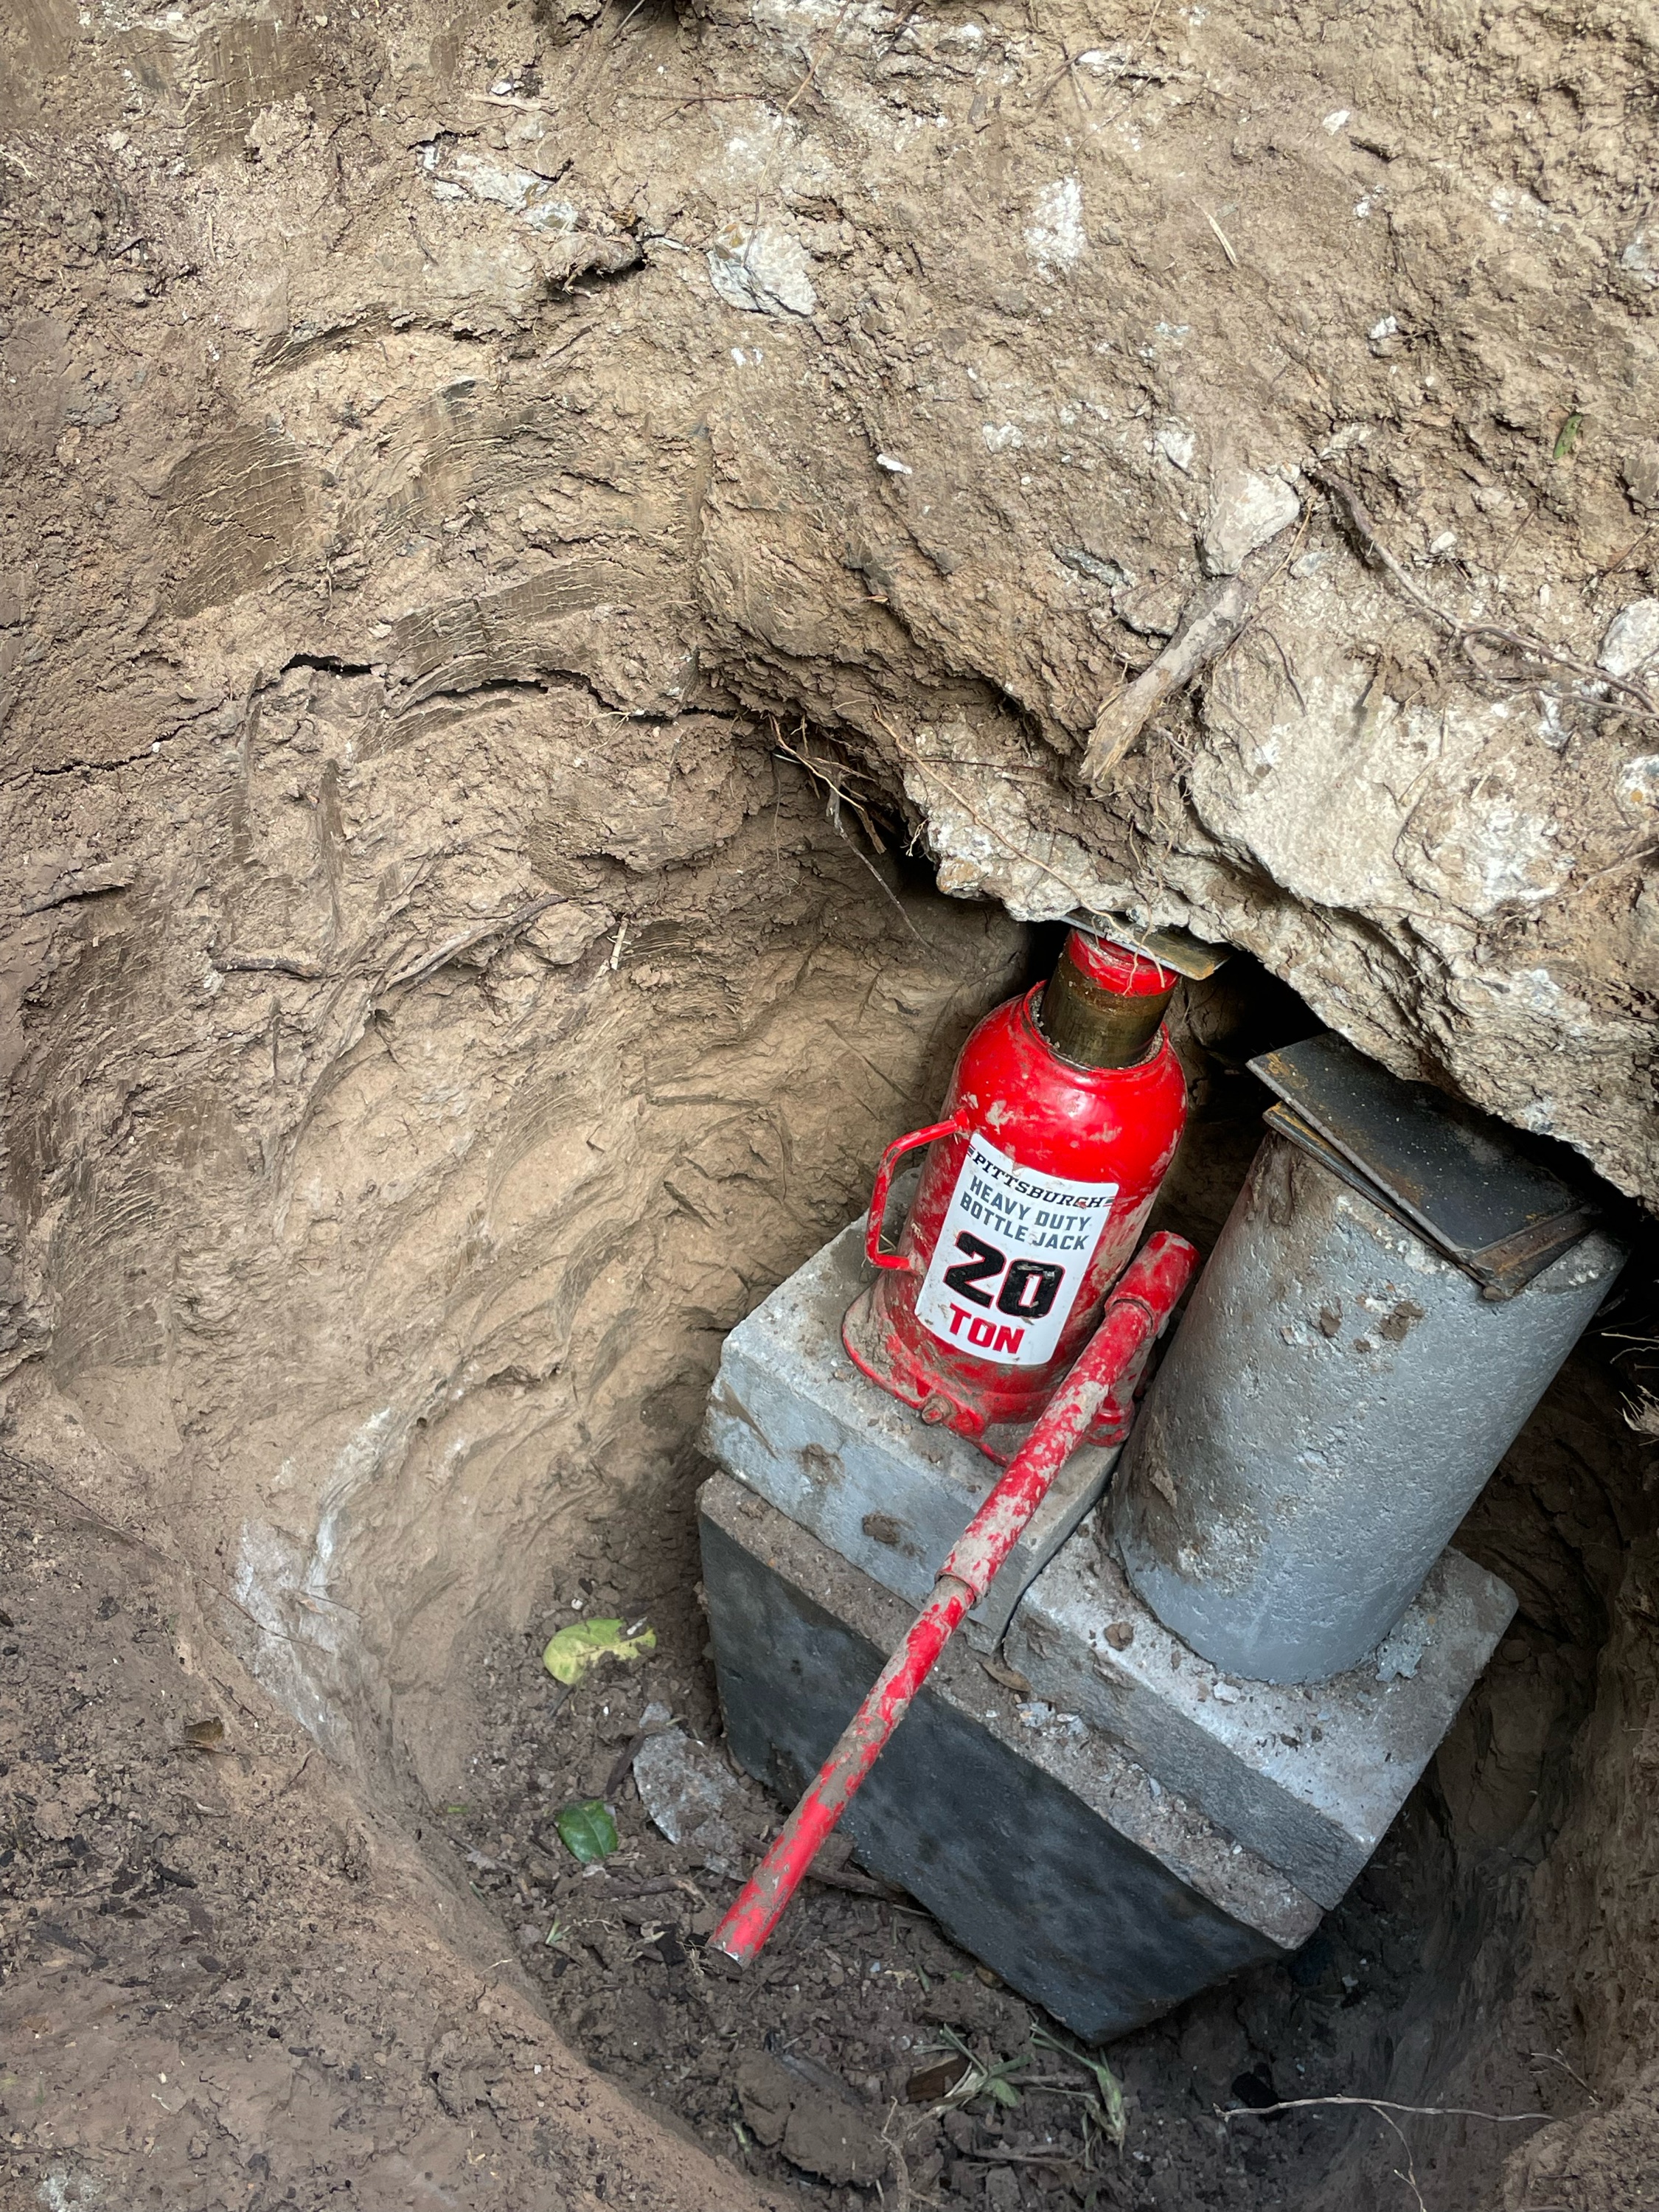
{"points": [[1334, 1401]]}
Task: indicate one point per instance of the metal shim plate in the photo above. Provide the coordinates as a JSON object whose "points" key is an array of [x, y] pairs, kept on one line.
{"points": [[1178, 948], [1451, 1174]]}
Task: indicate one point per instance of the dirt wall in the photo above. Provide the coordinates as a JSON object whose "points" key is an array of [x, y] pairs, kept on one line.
{"points": [[229, 1980], [388, 1208], [460, 461], [907, 370]]}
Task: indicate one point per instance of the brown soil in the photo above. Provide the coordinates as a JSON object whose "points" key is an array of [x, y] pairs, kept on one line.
{"points": [[230, 1979], [540, 539]]}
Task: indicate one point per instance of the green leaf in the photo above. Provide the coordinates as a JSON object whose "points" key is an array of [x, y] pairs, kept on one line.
{"points": [[1108, 2088], [586, 1831], [1111, 2100], [978, 2079], [580, 1646], [1570, 431]]}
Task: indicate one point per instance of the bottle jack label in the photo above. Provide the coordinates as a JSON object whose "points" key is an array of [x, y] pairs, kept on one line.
{"points": [[1010, 1258]]}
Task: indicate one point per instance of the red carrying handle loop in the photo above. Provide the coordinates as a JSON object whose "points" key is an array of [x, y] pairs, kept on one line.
{"points": [[889, 1160]]}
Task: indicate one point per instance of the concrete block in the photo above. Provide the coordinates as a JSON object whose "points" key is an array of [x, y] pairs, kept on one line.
{"points": [[793, 1418], [1036, 1843], [1309, 1774]]}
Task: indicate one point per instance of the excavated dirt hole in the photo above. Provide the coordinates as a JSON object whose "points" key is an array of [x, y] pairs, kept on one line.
{"points": [[1433, 1983], [454, 446], [390, 1319]]}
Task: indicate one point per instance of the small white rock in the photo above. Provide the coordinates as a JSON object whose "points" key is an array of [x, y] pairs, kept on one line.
{"points": [[691, 1796], [1177, 445], [1400, 1652], [1246, 512], [1640, 258], [1056, 237], [767, 271], [894, 466], [1632, 638]]}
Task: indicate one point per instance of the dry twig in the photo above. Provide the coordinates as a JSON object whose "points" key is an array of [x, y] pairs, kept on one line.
{"points": [[1554, 2057], [266, 964], [1385, 2109], [819, 772], [1220, 614], [838, 798], [507, 925], [1378, 2105], [824, 54]]}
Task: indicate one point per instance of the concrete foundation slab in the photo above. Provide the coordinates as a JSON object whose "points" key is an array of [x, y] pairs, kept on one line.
{"points": [[1040, 1846], [793, 1418], [1309, 1774]]}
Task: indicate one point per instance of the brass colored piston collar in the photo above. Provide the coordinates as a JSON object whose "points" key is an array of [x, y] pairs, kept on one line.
{"points": [[1092, 1027]]}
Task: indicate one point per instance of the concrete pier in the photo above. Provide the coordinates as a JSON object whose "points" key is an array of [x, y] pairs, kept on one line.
{"points": [[790, 1415], [1331, 1407], [1309, 1774]]}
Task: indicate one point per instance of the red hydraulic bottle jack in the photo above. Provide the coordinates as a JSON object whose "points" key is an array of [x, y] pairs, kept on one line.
{"points": [[1102, 1380], [1064, 1112]]}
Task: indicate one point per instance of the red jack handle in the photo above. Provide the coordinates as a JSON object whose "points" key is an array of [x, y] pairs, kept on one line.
{"points": [[1145, 1296]]}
